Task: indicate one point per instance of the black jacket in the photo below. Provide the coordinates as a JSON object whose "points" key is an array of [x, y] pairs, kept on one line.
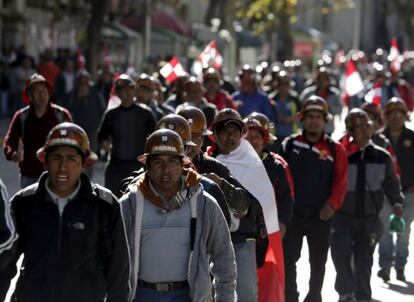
{"points": [[371, 175], [404, 150], [319, 173], [281, 179], [81, 256], [238, 198]]}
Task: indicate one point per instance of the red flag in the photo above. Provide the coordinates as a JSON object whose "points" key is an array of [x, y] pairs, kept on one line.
{"points": [[172, 70], [271, 277], [209, 57], [374, 95], [80, 59], [394, 57]]}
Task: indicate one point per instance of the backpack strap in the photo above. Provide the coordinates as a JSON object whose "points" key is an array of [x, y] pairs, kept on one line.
{"points": [[59, 113], [24, 114], [287, 145]]}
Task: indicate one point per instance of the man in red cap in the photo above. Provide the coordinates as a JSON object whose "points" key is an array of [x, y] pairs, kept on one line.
{"points": [[31, 125]]}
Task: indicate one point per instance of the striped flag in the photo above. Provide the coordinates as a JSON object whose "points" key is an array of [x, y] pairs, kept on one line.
{"points": [[353, 81], [172, 70], [374, 95], [209, 57], [395, 58]]}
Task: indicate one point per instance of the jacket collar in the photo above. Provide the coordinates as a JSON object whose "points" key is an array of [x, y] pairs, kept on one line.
{"points": [[85, 189]]}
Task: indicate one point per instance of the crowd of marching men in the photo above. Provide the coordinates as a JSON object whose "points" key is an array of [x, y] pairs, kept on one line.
{"points": [[210, 186]]}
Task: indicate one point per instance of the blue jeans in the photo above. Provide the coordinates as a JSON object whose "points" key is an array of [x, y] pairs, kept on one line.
{"points": [[246, 271], [26, 181], [151, 295], [396, 253]]}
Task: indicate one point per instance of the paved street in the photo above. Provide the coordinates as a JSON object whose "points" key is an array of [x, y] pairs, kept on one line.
{"points": [[393, 292]]}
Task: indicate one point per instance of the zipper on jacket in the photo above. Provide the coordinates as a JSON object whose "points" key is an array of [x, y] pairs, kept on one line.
{"points": [[59, 241], [58, 254]]}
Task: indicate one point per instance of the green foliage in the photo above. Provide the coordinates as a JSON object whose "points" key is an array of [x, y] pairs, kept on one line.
{"points": [[268, 15]]}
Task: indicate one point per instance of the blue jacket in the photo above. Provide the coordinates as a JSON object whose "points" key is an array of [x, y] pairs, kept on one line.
{"points": [[256, 102]]}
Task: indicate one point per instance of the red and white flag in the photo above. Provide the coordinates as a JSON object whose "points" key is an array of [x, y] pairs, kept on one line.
{"points": [[80, 59], [374, 95], [353, 81], [114, 101], [395, 57], [172, 70], [247, 167], [209, 57]]}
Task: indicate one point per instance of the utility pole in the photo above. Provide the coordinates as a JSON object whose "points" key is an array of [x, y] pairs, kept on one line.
{"points": [[357, 24], [147, 30]]}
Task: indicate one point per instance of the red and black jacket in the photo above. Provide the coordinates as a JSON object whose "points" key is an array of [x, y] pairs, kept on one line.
{"points": [[319, 173], [32, 131]]}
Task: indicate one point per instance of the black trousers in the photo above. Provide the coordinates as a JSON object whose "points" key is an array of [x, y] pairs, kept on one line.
{"points": [[353, 241], [317, 233]]}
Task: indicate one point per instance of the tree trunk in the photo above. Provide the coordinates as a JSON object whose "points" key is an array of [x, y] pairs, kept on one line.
{"points": [[98, 10], [409, 31], [286, 39]]}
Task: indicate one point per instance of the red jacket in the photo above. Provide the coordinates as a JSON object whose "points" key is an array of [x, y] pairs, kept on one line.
{"points": [[222, 100]]}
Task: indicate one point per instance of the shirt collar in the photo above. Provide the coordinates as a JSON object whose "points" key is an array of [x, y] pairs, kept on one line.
{"points": [[56, 197]]}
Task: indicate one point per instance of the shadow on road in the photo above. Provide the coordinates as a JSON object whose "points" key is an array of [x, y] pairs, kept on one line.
{"points": [[406, 289]]}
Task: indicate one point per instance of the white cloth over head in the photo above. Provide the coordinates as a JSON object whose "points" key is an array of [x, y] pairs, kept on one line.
{"points": [[248, 168]]}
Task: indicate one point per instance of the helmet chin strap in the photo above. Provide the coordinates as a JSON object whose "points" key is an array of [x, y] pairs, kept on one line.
{"points": [[187, 150], [219, 145]]}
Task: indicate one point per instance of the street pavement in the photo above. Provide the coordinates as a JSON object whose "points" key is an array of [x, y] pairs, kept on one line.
{"points": [[394, 291]]}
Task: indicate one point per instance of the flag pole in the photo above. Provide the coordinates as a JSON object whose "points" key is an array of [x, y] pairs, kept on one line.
{"points": [[147, 30]]}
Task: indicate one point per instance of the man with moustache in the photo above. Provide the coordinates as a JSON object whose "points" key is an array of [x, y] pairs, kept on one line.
{"points": [[319, 169], [402, 140], [177, 233]]}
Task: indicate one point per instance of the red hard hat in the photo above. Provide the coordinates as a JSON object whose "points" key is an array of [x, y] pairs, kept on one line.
{"points": [[34, 79], [260, 121]]}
